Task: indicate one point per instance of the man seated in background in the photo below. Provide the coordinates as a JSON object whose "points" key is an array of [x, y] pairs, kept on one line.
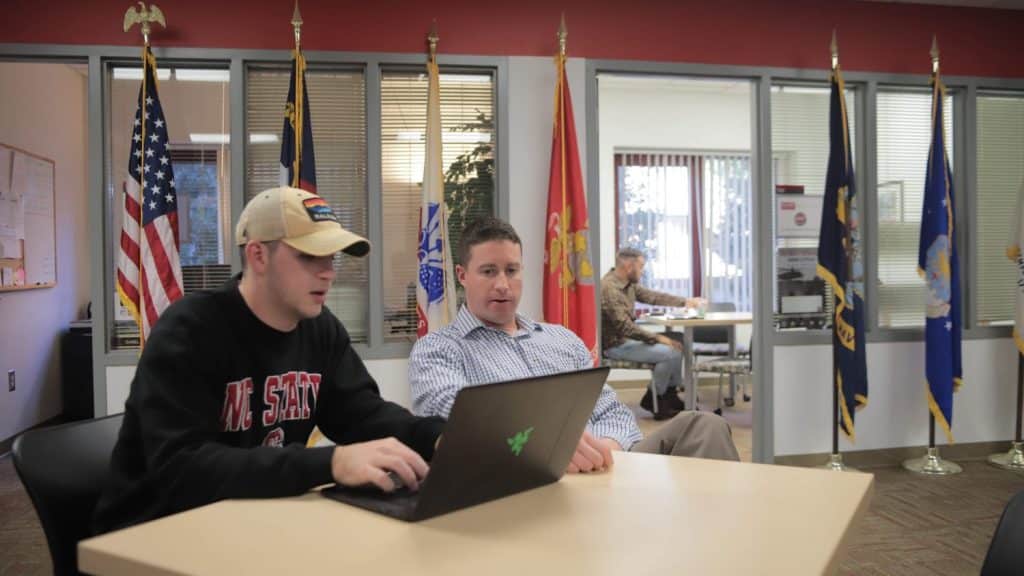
{"points": [[622, 339], [490, 342], [232, 382]]}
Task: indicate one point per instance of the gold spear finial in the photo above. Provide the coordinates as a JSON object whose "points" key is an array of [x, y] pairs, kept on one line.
{"points": [[144, 17], [834, 48], [935, 55], [563, 33], [297, 24], [432, 39]]}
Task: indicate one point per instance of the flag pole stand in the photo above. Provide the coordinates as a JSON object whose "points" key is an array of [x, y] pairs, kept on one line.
{"points": [[835, 459], [1014, 459], [931, 464]]}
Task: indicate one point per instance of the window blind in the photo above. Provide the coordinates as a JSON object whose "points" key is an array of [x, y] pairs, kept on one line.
{"points": [[903, 137], [337, 100], [1000, 172], [469, 148]]}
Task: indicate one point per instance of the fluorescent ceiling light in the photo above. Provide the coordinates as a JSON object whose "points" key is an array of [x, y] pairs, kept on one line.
{"points": [[466, 137], [260, 138], [801, 90], [451, 137], [217, 138], [209, 138], [136, 73], [469, 78], [201, 75]]}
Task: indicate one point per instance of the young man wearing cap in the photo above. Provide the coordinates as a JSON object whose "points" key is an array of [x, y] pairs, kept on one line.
{"points": [[232, 382], [490, 342]]}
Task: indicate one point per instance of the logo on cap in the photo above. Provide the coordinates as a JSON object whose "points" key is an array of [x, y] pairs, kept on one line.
{"points": [[319, 210]]}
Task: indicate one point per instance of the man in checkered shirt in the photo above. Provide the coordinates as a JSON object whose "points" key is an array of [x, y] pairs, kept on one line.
{"points": [[490, 342]]}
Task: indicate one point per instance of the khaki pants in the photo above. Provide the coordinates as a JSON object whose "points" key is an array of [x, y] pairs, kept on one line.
{"points": [[696, 434]]}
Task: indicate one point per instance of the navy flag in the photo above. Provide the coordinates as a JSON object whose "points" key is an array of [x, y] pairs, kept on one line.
{"points": [[840, 264], [937, 263], [298, 164]]}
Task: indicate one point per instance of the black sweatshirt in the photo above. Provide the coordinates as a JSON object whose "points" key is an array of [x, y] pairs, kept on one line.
{"points": [[222, 405]]}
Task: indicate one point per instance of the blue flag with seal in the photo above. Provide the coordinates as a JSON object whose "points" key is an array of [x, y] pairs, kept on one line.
{"points": [[841, 265], [298, 164], [938, 264]]}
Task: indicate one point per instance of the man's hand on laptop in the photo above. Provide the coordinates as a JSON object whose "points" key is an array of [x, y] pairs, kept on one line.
{"points": [[370, 462], [592, 454]]}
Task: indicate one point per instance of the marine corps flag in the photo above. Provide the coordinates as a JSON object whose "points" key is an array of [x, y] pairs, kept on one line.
{"points": [[938, 265], [840, 264], [569, 297], [298, 164], [1015, 251]]}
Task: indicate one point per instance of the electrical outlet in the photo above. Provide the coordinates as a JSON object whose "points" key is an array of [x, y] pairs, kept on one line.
{"points": [[10, 381]]}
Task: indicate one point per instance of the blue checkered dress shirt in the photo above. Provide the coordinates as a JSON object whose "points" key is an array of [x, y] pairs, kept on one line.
{"points": [[468, 353]]}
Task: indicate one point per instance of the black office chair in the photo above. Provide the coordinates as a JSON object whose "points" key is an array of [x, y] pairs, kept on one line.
{"points": [[1005, 554], [64, 469]]}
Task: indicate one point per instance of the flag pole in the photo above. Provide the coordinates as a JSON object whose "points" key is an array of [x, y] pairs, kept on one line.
{"points": [[143, 17], [835, 460], [1014, 459], [931, 464]]}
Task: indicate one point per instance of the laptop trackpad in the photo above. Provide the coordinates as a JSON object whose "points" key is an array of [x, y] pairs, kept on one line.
{"points": [[400, 504]]}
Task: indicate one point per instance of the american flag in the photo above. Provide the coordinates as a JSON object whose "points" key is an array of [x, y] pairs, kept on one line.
{"points": [[148, 268]]}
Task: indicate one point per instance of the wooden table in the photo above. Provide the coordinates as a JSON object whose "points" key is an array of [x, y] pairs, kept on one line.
{"points": [[710, 319], [649, 515]]}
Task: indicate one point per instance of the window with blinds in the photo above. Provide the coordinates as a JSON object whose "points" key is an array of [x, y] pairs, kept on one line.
{"points": [[468, 140], [904, 135], [337, 100], [1000, 173], [800, 148]]}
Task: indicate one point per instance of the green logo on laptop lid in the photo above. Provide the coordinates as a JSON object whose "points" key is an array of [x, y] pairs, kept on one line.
{"points": [[517, 442]]}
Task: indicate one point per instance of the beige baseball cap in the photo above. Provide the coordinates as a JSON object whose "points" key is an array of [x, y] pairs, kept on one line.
{"points": [[301, 220]]}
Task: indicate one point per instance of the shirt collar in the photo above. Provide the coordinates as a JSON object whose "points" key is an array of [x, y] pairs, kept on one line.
{"points": [[466, 322], [616, 281]]}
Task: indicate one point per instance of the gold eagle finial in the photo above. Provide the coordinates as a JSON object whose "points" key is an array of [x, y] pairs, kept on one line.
{"points": [[143, 16]]}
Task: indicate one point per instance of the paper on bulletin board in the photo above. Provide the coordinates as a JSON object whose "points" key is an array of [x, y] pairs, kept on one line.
{"points": [[6, 156], [38, 220], [10, 248]]}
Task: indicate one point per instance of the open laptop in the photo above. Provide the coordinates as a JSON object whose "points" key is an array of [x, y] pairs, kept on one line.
{"points": [[500, 439]]}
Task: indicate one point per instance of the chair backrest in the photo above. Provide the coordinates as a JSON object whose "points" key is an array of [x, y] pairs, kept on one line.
{"points": [[714, 334], [1005, 553], [64, 469]]}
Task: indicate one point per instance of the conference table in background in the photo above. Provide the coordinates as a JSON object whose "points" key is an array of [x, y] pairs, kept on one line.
{"points": [[649, 515], [731, 319]]}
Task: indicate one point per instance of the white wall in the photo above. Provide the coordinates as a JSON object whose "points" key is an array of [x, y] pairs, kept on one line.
{"points": [[44, 112], [645, 113], [896, 414]]}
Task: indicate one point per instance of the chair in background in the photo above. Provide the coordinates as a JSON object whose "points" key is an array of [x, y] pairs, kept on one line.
{"points": [[631, 365], [1005, 555], [728, 366], [713, 341], [64, 469]]}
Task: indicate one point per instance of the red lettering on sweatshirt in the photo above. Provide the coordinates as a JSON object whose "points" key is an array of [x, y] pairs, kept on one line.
{"points": [[236, 414]]}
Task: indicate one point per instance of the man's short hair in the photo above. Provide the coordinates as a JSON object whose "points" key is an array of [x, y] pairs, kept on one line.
{"points": [[628, 253], [483, 230]]}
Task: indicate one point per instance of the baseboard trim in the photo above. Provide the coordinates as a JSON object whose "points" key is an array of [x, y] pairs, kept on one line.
{"points": [[5, 444], [890, 457]]}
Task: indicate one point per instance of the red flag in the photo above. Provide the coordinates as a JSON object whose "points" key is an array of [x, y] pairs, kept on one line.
{"points": [[568, 273]]}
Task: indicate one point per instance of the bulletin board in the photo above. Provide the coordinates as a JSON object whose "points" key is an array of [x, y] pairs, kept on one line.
{"points": [[28, 234]]}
